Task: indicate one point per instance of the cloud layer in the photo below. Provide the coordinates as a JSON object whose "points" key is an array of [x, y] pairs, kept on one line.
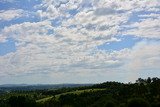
{"points": [[63, 45]]}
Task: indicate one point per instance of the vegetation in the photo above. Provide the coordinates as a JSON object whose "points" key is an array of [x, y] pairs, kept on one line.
{"points": [[142, 93]]}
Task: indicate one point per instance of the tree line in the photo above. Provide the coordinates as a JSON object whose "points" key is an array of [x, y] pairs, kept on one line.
{"points": [[142, 93]]}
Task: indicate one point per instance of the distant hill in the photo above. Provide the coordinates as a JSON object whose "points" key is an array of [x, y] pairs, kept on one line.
{"points": [[25, 87]]}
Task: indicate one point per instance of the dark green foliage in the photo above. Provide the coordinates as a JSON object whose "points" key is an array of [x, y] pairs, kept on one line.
{"points": [[21, 101], [50, 103], [138, 102], [110, 104], [155, 104]]}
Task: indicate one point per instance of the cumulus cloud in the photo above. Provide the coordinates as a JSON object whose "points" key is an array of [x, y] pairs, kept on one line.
{"points": [[105, 11], [143, 60], [147, 28], [145, 56], [26, 31], [10, 14], [39, 52], [57, 8]]}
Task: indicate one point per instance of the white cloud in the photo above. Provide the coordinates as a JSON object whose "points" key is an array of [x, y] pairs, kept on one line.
{"points": [[152, 15], [145, 56], [147, 28], [26, 31], [39, 52], [10, 14], [142, 60], [53, 9]]}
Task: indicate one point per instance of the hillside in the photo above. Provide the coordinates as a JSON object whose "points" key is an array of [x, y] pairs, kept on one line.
{"points": [[142, 93]]}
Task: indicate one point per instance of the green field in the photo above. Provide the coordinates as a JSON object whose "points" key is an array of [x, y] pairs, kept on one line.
{"points": [[72, 92]]}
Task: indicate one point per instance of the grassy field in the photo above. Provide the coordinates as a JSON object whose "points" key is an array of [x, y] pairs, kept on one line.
{"points": [[72, 92], [44, 99]]}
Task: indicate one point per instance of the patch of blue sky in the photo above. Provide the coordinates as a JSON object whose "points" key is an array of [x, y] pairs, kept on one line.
{"points": [[29, 4], [50, 32], [58, 3], [86, 4], [56, 22], [135, 17], [7, 47], [72, 26], [126, 42], [20, 4], [6, 6], [73, 12], [31, 17]]}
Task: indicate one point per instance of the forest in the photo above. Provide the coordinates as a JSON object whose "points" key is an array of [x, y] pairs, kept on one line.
{"points": [[142, 93]]}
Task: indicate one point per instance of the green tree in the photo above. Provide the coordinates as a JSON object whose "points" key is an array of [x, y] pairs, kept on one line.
{"points": [[21, 101], [138, 102]]}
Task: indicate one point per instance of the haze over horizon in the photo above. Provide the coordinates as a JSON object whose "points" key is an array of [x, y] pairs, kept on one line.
{"points": [[78, 41]]}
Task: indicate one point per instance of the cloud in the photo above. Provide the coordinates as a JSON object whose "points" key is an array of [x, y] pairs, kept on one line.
{"points": [[92, 27], [152, 15], [38, 52], [25, 32], [53, 9], [145, 56], [69, 49], [142, 60], [104, 11], [11, 14], [147, 28]]}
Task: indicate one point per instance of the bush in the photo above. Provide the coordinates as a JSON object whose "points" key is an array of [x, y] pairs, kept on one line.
{"points": [[110, 104], [138, 102], [156, 104], [21, 101]]}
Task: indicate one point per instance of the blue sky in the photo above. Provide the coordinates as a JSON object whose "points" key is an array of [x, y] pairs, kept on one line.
{"points": [[7, 47], [78, 41]]}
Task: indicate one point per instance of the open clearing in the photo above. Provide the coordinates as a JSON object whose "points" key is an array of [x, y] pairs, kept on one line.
{"points": [[72, 92]]}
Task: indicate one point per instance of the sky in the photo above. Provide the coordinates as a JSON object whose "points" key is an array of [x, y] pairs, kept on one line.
{"points": [[78, 41]]}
